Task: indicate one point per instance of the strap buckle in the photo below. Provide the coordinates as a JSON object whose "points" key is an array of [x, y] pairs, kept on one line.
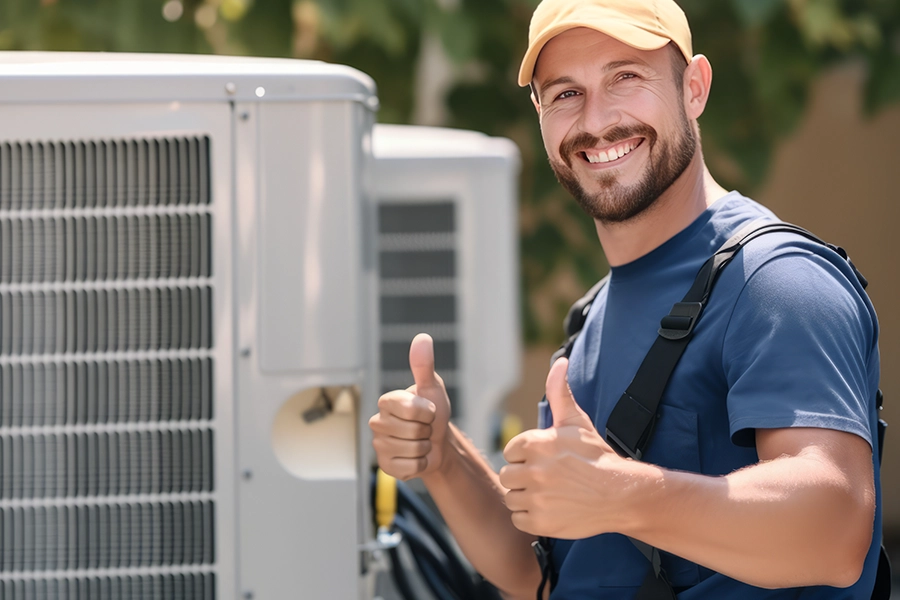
{"points": [[630, 427], [680, 321], [621, 448]]}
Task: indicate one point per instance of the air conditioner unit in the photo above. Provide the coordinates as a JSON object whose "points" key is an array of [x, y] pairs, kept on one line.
{"points": [[187, 310], [447, 241]]}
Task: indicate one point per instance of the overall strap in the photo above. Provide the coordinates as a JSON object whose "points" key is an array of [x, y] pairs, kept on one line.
{"points": [[631, 423]]}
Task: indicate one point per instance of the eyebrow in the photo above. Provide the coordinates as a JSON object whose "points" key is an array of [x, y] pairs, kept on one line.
{"points": [[564, 80], [618, 64]]}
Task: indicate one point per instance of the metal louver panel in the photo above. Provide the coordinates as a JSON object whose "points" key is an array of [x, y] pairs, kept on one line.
{"points": [[37, 394], [107, 437], [104, 174], [419, 288], [104, 248], [83, 321], [137, 587]]}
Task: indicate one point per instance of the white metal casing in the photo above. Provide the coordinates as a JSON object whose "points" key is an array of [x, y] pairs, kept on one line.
{"points": [[292, 290], [448, 205]]}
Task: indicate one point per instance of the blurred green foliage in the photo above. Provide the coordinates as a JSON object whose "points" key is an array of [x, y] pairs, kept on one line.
{"points": [[765, 54]]}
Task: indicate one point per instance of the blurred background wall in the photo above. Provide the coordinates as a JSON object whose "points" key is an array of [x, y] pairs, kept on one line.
{"points": [[803, 116]]}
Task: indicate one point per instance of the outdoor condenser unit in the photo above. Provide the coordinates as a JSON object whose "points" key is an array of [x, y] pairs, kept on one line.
{"points": [[447, 242], [187, 327]]}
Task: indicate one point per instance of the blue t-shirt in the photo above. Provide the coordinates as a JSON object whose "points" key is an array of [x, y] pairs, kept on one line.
{"points": [[788, 339]]}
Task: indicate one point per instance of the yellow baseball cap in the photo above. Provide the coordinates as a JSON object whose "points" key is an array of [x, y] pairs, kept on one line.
{"points": [[642, 24]]}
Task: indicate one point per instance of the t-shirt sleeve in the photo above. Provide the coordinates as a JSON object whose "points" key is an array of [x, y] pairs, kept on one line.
{"points": [[797, 349]]}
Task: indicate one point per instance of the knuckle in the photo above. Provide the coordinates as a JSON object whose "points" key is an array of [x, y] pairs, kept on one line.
{"points": [[422, 431], [375, 422], [384, 400], [391, 401]]}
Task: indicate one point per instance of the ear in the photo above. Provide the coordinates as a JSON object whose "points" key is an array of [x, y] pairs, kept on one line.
{"points": [[534, 100], [697, 82]]}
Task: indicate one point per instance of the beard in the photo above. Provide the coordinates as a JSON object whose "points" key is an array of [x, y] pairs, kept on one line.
{"points": [[614, 202]]}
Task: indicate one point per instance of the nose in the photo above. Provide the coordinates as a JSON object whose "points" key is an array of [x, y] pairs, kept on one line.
{"points": [[599, 113]]}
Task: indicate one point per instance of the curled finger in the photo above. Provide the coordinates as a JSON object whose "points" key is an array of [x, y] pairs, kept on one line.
{"points": [[407, 406], [394, 426], [403, 468]]}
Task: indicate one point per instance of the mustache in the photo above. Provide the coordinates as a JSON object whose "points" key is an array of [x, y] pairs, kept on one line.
{"points": [[582, 140]]}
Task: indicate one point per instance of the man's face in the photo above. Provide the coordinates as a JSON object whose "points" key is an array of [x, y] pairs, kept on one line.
{"points": [[613, 122]]}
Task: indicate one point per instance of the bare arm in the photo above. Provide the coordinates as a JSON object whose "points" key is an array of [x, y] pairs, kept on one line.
{"points": [[413, 438], [469, 495], [802, 516]]}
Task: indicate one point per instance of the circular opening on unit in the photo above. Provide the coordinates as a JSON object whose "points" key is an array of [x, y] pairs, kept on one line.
{"points": [[314, 433]]}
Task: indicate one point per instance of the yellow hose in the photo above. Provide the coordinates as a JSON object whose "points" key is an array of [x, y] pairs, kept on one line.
{"points": [[509, 428], [385, 499]]}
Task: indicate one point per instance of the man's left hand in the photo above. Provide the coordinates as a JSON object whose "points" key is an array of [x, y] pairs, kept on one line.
{"points": [[564, 481]]}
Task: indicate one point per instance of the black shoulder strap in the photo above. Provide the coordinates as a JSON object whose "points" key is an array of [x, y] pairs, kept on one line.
{"points": [[630, 426]]}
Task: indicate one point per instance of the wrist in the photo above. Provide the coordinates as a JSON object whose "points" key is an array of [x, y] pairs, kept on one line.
{"points": [[451, 454], [642, 492]]}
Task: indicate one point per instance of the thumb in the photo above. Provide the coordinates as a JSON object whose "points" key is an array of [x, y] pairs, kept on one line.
{"points": [[421, 362], [566, 412]]}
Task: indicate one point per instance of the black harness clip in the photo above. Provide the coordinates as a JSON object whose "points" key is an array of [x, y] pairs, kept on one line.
{"points": [[680, 321]]}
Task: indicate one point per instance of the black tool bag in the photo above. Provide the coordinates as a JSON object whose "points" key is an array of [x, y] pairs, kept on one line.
{"points": [[629, 429]]}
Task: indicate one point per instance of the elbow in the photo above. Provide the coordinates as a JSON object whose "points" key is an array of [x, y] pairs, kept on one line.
{"points": [[836, 561], [847, 565], [851, 545], [846, 572], [521, 591]]}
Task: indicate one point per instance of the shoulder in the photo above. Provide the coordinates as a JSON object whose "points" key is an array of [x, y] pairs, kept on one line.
{"points": [[783, 275], [800, 344], [786, 266]]}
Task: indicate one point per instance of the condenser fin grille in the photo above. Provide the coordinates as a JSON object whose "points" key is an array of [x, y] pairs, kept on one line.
{"points": [[178, 586], [107, 424], [79, 465], [106, 536], [418, 270], [83, 321], [91, 392], [104, 248], [104, 174]]}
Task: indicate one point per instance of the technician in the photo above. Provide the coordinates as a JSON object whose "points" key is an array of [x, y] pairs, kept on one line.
{"points": [[760, 481]]}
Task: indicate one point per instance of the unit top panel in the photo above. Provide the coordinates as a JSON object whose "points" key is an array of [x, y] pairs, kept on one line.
{"points": [[61, 77]]}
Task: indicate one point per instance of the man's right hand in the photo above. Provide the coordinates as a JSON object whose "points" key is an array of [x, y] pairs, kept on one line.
{"points": [[410, 429]]}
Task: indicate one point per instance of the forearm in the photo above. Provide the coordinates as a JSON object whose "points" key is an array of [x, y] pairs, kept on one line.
{"points": [[468, 493], [788, 522]]}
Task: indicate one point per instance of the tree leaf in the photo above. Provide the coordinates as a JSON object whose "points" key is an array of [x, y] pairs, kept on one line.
{"points": [[754, 13], [883, 82], [457, 35]]}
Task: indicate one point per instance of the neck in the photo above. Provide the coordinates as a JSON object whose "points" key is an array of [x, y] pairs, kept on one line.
{"points": [[692, 193]]}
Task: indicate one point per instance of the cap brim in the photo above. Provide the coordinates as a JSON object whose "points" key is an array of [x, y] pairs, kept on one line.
{"points": [[628, 34]]}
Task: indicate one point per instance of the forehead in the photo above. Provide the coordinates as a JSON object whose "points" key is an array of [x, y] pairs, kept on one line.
{"points": [[582, 46]]}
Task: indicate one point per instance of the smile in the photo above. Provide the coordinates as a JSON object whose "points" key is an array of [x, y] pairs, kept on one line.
{"points": [[610, 154]]}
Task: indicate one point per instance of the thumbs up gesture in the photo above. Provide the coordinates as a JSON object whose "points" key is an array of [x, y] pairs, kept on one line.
{"points": [[410, 428], [565, 481]]}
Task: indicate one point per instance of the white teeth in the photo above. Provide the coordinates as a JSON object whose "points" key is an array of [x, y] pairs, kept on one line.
{"points": [[604, 156]]}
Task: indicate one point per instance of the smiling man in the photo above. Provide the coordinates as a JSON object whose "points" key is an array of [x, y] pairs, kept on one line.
{"points": [[760, 480]]}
